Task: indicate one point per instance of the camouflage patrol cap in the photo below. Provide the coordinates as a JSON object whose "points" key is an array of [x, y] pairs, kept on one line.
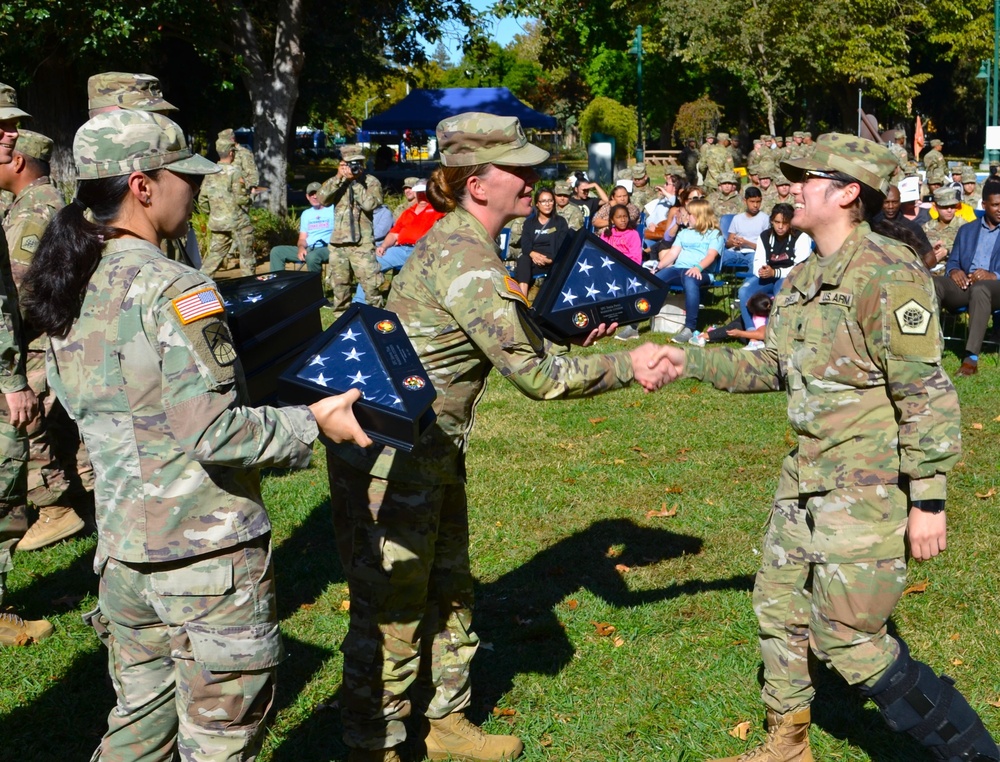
{"points": [[561, 189], [312, 188], [936, 143], [477, 138], [957, 170], [765, 138], [624, 174], [34, 144], [806, 135], [947, 197], [789, 140], [969, 175], [709, 136], [125, 90], [120, 142], [638, 171], [227, 134], [409, 182], [758, 141], [224, 147], [8, 103], [866, 161], [352, 152], [728, 177], [780, 179], [722, 136], [797, 134]]}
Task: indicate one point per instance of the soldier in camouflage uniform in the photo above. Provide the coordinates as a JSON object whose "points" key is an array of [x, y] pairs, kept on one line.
{"points": [[642, 191], [717, 162], [726, 199], [147, 367], [807, 143], [779, 193], [941, 232], [854, 341], [572, 213], [243, 159], [934, 160], [402, 518], [225, 197], [17, 407], [898, 149], [796, 149], [972, 193], [355, 194], [53, 482]]}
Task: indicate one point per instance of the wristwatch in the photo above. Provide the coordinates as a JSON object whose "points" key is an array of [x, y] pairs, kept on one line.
{"points": [[929, 506]]}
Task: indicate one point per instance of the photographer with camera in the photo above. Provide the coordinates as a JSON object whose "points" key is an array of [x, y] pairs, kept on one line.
{"points": [[354, 194]]}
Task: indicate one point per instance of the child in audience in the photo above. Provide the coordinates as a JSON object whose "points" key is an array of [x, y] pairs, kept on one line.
{"points": [[621, 236], [759, 307]]}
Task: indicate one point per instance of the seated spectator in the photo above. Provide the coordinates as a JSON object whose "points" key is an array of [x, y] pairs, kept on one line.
{"points": [[943, 227], [892, 214], [381, 223], [694, 249], [619, 195], [971, 275], [541, 240], [678, 216], [726, 198], [621, 235], [778, 250], [572, 213], [411, 226], [666, 196], [759, 306], [744, 232], [581, 194], [315, 229], [409, 197]]}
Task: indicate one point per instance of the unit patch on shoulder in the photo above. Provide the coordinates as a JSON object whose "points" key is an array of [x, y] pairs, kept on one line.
{"points": [[514, 288], [200, 304], [913, 318], [29, 243], [220, 343]]}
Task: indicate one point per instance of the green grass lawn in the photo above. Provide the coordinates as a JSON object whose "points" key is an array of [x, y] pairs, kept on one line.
{"points": [[562, 548]]}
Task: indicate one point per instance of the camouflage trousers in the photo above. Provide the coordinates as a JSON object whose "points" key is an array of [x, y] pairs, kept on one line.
{"points": [[223, 242], [819, 588], [409, 647], [13, 492], [349, 264], [192, 650], [57, 455]]}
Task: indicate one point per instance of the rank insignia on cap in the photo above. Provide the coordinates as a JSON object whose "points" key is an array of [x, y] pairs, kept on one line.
{"points": [[220, 343], [913, 318], [29, 243], [198, 305]]}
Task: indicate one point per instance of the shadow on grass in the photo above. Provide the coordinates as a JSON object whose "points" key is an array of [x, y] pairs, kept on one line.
{"points": [[532, 591], [306, 563]]}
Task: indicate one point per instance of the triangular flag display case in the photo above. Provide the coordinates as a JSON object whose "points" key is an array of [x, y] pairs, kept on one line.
{"points": [[591, 283], [366, 349], [273, 317]]}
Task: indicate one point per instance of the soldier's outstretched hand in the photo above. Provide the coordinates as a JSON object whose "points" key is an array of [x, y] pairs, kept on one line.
{"points": [[648, 369], [667, 354], [336, 419]]}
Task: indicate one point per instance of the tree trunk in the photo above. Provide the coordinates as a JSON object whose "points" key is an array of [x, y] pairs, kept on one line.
{"points": [[273, 90], [58, 106], [770, 109]]}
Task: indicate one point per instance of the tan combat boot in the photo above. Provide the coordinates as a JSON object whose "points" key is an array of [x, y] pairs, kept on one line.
{"points": [[455, 738], [15, 631], [55, 522], [373, 755], [787, 740]]}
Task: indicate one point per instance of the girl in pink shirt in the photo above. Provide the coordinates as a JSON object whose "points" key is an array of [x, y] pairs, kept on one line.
{"points": [[621, 236]]}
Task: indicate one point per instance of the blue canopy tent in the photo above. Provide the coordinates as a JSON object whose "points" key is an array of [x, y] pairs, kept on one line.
{"points": [[423, 109]]}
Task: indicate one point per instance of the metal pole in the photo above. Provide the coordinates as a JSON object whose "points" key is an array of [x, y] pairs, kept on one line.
{"points": [[996, 69], [640, 146], [989, 79], [859, 112]]}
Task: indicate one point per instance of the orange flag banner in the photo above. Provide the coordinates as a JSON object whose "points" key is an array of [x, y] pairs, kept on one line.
{"points": [[918, 139]]}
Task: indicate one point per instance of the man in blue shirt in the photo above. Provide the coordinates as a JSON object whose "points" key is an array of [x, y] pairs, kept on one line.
{"points": [[970, 278], [315, 229]]}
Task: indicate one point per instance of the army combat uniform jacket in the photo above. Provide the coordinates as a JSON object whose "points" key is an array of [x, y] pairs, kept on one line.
{"points": [[854, 342], [148, 370], [465, 315], [25, 222], [353, 203]]}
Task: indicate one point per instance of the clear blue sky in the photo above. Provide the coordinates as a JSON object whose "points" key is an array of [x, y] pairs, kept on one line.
{"points": [[503, 31]]}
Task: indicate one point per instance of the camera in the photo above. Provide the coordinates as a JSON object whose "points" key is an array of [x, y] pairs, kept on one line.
{"points": [[357, 166]]}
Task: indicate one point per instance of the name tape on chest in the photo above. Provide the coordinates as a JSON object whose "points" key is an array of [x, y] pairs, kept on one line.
{"points": [[200, 304]]}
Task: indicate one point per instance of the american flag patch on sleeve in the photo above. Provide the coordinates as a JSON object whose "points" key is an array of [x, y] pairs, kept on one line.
{"points": [[200, 304]]}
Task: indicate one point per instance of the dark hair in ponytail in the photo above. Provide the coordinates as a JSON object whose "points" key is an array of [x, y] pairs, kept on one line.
{"points": [[68, 254], [446, 186]]}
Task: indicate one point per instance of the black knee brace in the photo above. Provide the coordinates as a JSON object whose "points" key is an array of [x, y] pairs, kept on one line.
{"points": [[915, 700]]}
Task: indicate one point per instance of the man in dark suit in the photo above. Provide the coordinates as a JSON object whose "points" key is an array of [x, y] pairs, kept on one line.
{"points": [[971, 274]]}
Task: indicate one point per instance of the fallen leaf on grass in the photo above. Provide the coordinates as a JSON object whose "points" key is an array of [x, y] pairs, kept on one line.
{"points": [[613, 552], [917, 587], [741, 731], [505, 712], [997, 418], [596, 421], [306, 606], [956, 636], [977, 426], [674, 490], [622, 568], [994, 703], [603, 628], [742, 642], [345, 605], [569, 480], [545, 741], [663, 513], [640, 451], [572, 604], [956, 662], [619, 462], [989, 493], [619, 642]]}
